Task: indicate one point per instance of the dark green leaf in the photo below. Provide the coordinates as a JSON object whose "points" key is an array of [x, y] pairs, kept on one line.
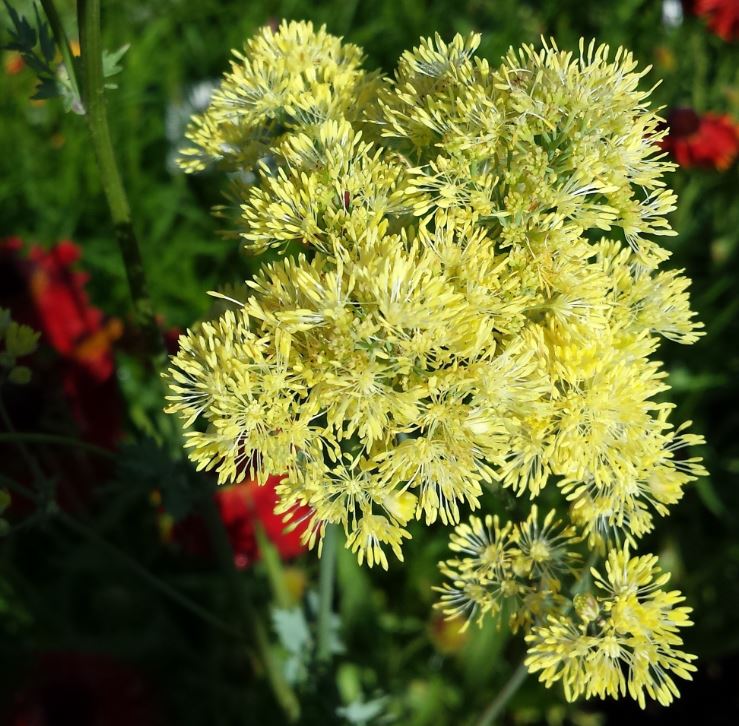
{"points": [[46, 40], [36, 64], [46, 88], [14, 17], [23, 32]]}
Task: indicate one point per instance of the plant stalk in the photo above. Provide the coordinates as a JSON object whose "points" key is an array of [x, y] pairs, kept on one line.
{"points": [[41, 438], [251, 623], [62, 42], [93, 97], [82, 530], [505, 694], [326, 592], [12, 435]]}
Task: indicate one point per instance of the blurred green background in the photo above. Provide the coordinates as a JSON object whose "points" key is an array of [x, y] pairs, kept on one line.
{"points": [[49, 190]]}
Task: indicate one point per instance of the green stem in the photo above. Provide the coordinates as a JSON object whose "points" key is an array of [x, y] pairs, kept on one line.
{"points": [[185, 602], [326, 592], [251, 622], [583, 582], [505, 694], [62, 41], [41, 438], [31, 462], [18, 487], [273, 567], [93, 87], [88, 533], [519, 675]]}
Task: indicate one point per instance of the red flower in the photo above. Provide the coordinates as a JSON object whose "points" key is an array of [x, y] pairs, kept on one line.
{"points": [[242, 506], [44, 290], [722, 17], [709, 140], [13, 63], [171, 339], [82, 689]]}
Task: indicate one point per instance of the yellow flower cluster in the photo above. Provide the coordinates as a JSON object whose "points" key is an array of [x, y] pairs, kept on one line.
{"points": [[283, 82], [623, 639], [518, 568], [477, 299]]}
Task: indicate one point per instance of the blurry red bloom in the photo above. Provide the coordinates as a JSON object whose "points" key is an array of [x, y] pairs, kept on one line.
{"points": [[722, 16], [709, 140], [172, 339], [43, 289], [242, 507], [82, 689], [13, 63]]}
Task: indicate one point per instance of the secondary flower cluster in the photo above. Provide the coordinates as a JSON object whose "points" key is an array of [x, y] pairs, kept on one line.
{"points": [[475, 300], [623, 636], [517, 567]]}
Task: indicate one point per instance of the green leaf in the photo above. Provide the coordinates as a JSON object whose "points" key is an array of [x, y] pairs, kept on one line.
{"points": [[23, 33], [70, 97], [36, 63], [46, 88], [295, 637], [14, 17], [292, 630], [709, 497], [111, 59], [363, 712], [46, 40]]}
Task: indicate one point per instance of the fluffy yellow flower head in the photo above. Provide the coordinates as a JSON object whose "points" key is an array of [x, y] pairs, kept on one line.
{"points": [[516, 566], [476, 301], [623, 638]]}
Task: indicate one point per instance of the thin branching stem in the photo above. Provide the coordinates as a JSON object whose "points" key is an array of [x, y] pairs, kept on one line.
{"points": [[93, 97], [251, 621], [326, 592], [13, 435], [83, 530], [62, 42], [498, 704], [56, 440], [86, 532]]}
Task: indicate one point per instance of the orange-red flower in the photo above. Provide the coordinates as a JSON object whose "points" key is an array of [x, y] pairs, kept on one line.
{"points": [[243, 507], [74, 328], [709, 140], [722, 16], [44, 289]]}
